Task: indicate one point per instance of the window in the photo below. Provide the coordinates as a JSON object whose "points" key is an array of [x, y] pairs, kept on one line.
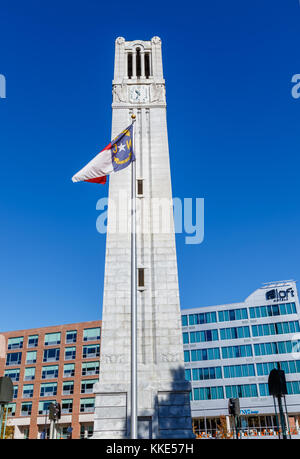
{"points": [[201, 374], [188, 376], [68, 388], [14, 374], [87, 386], [14, 358], [44, 406], [239, 371], [11, 409], [28, 391], [86, 431], [51, 355], [277, 328], [90, 368], [52, 339], [141, 277], [48, 389], [235, 332], [272, 310], [293, 387], [30, 357], [184, 321], [91, 351], [87, 405], [15, 392], [33, 340], [208, 393], [290, 366], [233, 314], [233, 352], [15, 343], [69, 370], [186, 356], [241, 391], [185, 338], [264, 390], [29, 374], [205, 354], [91, 334], [70, 353], [270, 348], [50, 372], [71, 336], [280, 347], [202, 318], [26, 408], [140, 187], [204, 335], [66, 406]]}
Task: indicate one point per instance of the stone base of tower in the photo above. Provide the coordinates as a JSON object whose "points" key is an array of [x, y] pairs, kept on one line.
{"points": [[164, 411]]}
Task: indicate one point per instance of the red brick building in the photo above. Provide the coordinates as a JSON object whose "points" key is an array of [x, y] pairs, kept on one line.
{"points": [[59, 363]]}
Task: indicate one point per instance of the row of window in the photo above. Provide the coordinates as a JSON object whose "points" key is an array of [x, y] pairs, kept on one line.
{"points": [[50, 389], [87, 405], [240, 371], [51, 371], [239, 391], [278, 328], [239, 314], [244, 350], [52, 339], [53, 354]]}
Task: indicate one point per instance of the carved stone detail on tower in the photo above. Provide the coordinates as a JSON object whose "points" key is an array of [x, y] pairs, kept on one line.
{"points": [[169, 357], [119, 93], [156, 40], [158, 92], [112, 358], [120, 40]]}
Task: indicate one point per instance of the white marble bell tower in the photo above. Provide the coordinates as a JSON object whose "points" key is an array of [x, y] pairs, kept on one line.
{"points": [[163, 393]]}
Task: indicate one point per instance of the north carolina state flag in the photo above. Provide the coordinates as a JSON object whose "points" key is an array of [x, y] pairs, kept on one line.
{"points": [[117, 155]]}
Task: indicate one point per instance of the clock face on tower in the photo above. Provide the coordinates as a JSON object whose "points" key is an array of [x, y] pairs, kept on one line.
{"points": [[139, 94]]}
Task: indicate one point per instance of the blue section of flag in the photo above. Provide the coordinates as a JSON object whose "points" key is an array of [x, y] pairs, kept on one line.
{"points": [[122, 149]]}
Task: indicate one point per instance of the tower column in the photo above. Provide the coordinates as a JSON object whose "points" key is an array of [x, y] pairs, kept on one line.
{"points": [[142, 64], [134, 64], [126, 65], [163, 393]]}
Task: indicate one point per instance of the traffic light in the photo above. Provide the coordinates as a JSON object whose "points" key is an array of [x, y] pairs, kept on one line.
{"points": [[6, 389], [277, 383], [54, 411], [234, 406]]}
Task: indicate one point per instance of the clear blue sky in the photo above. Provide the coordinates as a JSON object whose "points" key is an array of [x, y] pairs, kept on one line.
{"points": [[233, 133]]}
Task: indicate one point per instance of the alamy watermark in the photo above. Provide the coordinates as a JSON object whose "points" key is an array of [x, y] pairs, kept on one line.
{"points": [[296, 346], [2, 87], [296, 87], [153, 216]]}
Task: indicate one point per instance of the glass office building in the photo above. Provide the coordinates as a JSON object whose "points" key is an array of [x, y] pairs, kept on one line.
{"points": [[229, 351]]}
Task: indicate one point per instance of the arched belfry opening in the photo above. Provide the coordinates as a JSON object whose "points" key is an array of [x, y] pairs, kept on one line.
{"points": [[138, 63], [129, 65], [147, 65]]}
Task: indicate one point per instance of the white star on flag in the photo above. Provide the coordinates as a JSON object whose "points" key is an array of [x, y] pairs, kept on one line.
{"points": [[122, 147]]}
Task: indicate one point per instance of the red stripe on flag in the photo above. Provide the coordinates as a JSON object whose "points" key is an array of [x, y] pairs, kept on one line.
{"points": [[108, 147], [97, 180]]}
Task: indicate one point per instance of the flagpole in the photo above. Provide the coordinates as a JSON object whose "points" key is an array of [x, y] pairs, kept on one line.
{"points": [[133, 430]]}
